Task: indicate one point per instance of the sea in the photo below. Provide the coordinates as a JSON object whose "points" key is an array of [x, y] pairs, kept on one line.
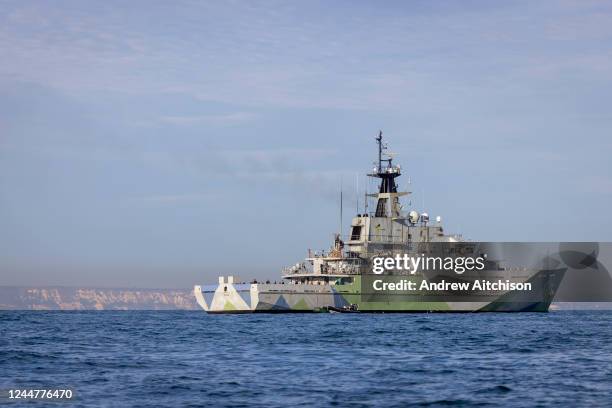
{"points": [[187, 358]]}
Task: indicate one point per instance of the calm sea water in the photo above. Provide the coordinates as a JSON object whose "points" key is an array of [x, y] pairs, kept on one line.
{"points": [[191, 359]]}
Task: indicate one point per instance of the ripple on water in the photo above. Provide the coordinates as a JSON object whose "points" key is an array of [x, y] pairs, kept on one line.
{"points": [[186, 358]]}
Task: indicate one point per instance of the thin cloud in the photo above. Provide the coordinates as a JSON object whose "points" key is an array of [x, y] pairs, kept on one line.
{"points": [[405, 59], [225, 119], [174, 198]]}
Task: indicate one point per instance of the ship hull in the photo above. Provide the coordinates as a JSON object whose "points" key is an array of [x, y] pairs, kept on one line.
{"points": [[229, 297]]}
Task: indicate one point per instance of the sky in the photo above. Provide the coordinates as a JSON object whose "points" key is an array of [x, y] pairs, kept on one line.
{"points": [[161, 144]]}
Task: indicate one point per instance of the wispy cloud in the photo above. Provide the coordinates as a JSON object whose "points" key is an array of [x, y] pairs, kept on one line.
{"points": [[599, 185], [396, 58], [174, 198], [224, 119]]}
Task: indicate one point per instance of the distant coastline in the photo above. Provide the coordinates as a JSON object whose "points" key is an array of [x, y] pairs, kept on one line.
{"points": [[90, 298]]}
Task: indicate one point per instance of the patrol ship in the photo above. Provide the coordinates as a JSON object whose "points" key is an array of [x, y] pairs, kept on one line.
{"points": [[341, 279]]}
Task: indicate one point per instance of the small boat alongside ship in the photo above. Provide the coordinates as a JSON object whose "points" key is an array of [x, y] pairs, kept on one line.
{"points": [[341, 280]]}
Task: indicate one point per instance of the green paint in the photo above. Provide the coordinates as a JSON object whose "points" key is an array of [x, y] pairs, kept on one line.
{"points": [[301, 305]]}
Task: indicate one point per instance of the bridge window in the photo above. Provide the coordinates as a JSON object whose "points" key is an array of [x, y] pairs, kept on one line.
{"points": [[347, 280], [356, 233]]}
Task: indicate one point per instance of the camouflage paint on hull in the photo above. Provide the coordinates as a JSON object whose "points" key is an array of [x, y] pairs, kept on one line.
{"points": [[230, 297]]}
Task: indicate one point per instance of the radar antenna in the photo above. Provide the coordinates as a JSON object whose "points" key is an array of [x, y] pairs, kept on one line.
{"points": [[388, 204]]}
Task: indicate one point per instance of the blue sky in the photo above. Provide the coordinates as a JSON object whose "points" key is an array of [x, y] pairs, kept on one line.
{"points": [[159, 144]]}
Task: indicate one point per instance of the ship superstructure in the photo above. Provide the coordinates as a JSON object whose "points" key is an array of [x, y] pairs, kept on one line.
{"points": [[386, 231], [338, 279]]}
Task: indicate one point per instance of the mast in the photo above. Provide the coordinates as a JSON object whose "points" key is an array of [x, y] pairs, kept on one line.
{"points": [[380, 147], [388, 196], [340, 232]]}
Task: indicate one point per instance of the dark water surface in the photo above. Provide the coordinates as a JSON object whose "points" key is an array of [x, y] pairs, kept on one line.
{"points": [[138, 358]]}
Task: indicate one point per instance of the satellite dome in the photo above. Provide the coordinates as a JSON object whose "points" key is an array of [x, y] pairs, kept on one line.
{"points": [[413, 217]]}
